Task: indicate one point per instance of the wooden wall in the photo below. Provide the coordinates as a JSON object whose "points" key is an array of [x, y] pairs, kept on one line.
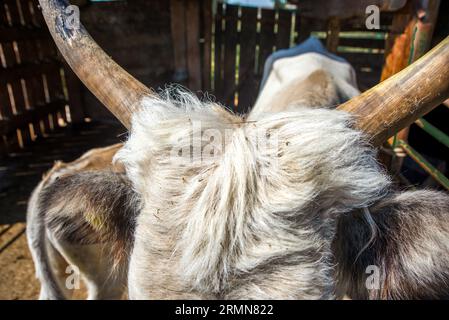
{"points": [[32, 97], [136, 34], [245, 36], [165, 41]]}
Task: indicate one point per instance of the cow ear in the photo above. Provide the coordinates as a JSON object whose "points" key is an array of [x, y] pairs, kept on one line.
{"points": [[399, 250], [93, 207]]}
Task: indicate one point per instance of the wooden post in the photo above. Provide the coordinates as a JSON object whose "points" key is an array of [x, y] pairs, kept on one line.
{"points": [[229, 66], [207, 43], [185, 30], [333, 32], [74, 87], [178, 33], [193, 44]]}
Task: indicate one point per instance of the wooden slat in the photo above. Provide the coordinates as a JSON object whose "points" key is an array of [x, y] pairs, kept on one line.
{"points": [[15, 103], [38, 18], [304, 26], [3, 146], [193, 44], [8, 52], [230, 56], [207, 44], [27, 14], [267, 37], [333, 31], [3, 17], [28, 57], [284, 25], [29, 61], [77, 111], [219, 52], [7, 113], [13, 12], [5, 108], [178, 34], [52, 80], [248, 82], [18, 121]]}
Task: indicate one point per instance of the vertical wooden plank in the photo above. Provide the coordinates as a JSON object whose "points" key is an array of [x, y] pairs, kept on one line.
{"points": [[20, 96], [219, 52], [3, 146], [7, 113], [77, 112], [5, 109], [333, 32], [303, 28], [10, 59], [52, 79], [284, 25], [27, 56], [207, 20], [37, 16], [231, 38], [17, 97], [248, 83], [178, 35], [14, 88], [27, 14], [3, 15], [12, 12], [193, 44], [266, 37]]}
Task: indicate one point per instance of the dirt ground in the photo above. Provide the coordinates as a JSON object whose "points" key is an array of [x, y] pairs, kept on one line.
{"points": [[19, 174], [17, 280]]}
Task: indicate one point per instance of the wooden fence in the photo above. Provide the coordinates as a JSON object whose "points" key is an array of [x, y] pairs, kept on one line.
{"points": [[33, 95], [243, 37], [220, 50]]}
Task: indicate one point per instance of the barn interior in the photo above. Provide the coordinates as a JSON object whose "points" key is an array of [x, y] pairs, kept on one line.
{"points": [[216, 49]]}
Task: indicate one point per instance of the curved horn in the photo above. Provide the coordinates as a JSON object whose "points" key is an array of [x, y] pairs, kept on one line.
{"points": [[114, 87], [401, 99]]}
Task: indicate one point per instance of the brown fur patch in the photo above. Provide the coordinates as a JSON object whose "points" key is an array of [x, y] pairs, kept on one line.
{"points": [[410, 249], [91, 207], [316, 91]]}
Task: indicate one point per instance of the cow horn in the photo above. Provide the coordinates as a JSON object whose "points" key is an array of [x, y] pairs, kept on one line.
{"points": [[401, 99], [113, 86]]}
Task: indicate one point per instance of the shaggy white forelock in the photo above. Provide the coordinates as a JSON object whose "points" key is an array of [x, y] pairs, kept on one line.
{"points": [[226, 215]]}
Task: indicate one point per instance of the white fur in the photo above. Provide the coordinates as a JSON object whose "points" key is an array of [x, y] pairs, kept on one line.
{"points": [[206, 221], [288, 71]]}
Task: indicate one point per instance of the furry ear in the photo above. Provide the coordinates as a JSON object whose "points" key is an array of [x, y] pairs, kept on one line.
{"points": [[90, 208], [407, 255]]}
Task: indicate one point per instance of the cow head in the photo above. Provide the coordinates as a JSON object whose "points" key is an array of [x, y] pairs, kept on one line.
{"points": [[236, 208]]}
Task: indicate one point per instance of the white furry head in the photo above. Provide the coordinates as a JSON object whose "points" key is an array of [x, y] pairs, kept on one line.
{"points": [[217, 225]]}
